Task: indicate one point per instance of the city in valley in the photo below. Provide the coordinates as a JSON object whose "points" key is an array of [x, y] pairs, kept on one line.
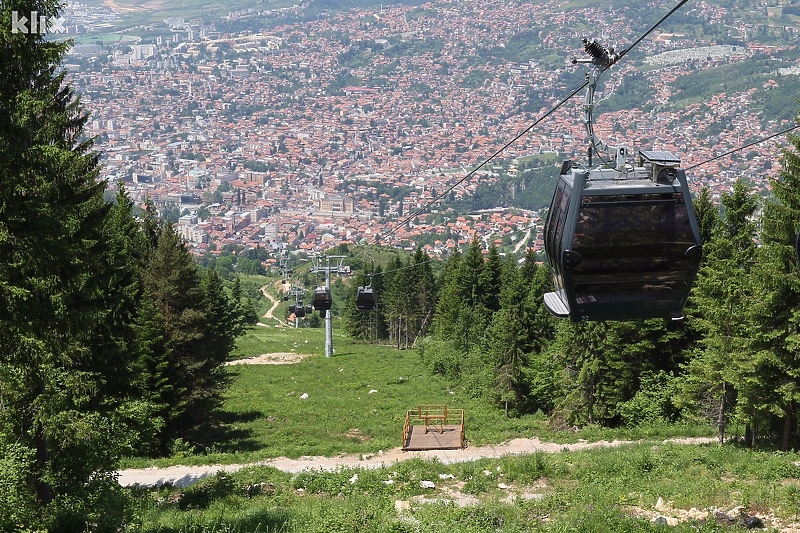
{"points": [[307, 127]]}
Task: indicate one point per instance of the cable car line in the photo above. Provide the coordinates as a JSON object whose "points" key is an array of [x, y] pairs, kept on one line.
{"points": [[622, 240], [602, 58], [595, 49], [480, 166], [619, 249], [748, 145]]}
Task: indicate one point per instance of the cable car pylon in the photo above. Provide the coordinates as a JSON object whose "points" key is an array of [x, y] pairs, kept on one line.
{"points": [[322, 295]]}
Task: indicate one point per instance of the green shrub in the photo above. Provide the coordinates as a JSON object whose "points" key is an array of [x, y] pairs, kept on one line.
{"points": [[441, 357], [652, 404]]}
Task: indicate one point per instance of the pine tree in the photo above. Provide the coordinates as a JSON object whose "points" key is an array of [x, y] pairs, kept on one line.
{"points": [[770, 389], [719, 306], [54, 264]]}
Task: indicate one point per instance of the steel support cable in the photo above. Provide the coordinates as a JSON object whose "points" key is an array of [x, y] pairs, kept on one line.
{"points": [[552, 110], [651, 30], [748, 145], [480, 166]]}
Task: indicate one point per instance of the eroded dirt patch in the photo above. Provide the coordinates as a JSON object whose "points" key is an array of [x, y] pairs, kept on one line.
{"points": [[280, 358]]}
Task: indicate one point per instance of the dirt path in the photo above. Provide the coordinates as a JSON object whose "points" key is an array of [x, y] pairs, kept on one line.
{"points": [[284, 358], [270, 312], [522, 241], [182, 476]]}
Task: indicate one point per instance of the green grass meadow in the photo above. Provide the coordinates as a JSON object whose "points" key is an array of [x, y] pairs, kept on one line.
{"points": [[610, 489], [264, 417]]}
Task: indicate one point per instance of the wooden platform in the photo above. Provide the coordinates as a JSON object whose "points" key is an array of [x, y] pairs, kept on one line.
{"points": [[433, 427], [448, 439]]}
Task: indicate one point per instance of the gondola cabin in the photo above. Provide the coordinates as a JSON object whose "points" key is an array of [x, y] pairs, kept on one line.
{"points": [[322, 299], [623, 244], [365, 299]]}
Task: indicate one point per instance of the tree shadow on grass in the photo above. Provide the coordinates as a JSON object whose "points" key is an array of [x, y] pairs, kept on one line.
{"points": [[226, 433]]}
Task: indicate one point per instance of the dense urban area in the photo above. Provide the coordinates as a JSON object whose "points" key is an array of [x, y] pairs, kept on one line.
{"points": [[305, 128]]}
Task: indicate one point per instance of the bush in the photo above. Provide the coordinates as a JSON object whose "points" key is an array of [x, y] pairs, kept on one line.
{"points": [[653, 403], [441, 357]]}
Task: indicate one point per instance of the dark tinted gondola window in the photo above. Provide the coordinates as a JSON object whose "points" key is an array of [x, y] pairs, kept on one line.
{"points": [[552, 217], [633, 248], [563, 212], [556, 221]]}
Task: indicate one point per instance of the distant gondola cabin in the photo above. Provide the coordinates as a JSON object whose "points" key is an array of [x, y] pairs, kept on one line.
{"points": [[622, 244], [322, 299], [365, 299]]}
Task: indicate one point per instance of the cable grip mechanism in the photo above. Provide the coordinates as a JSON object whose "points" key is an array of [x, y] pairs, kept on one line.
{"points": [[600, 55], [601, 59]]}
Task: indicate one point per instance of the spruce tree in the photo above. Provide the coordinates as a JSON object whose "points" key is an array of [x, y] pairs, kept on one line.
{"points": [[242, 314], [224, 316], [378, 325], [707, 214], [720, 311], [490, 279], [507, 338], [400, 305], [57, 426], [469, 275], [158, 401], [423, 295], [197, 348], [356, 322], [769, 392], [474, 317], [448, 306]]}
